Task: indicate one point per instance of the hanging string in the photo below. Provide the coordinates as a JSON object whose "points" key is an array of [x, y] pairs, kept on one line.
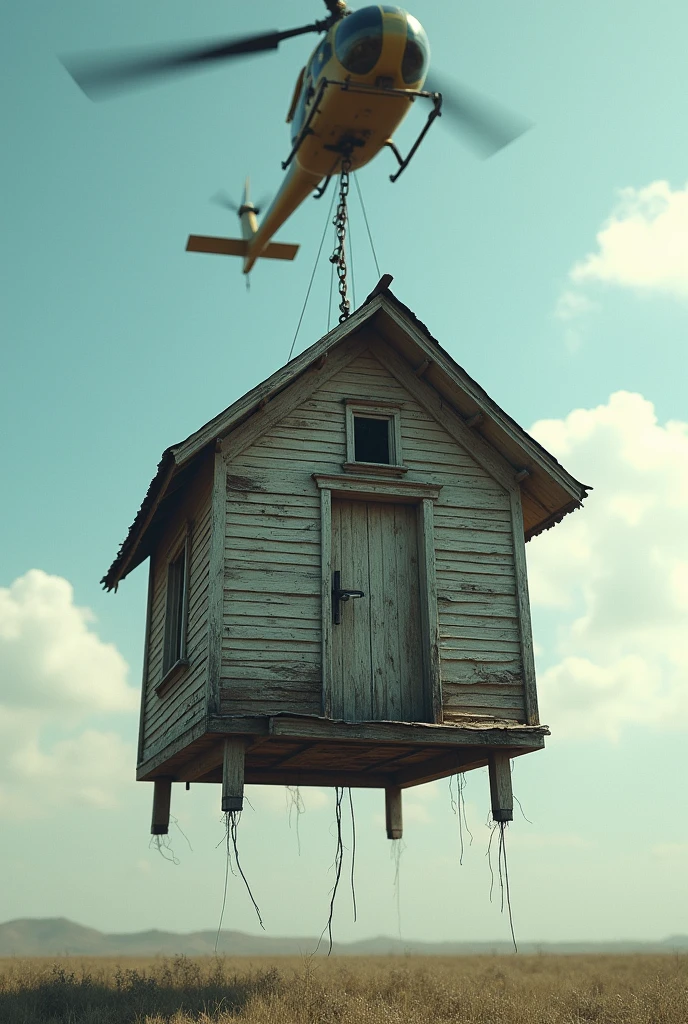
{"points": [[365, 218], [398, 848], [503, 873], [164, 847], [295, 804], [230, 837], [338, 858], [353, 851], [310, 284], [505, 884], [458, 806], [329, 301], [351, 261], [175, 822]]}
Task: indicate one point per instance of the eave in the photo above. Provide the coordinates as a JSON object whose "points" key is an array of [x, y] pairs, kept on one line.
{"points": [[548, 491]]}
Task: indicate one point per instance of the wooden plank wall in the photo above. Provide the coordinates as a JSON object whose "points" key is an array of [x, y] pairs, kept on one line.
{"points": [[272, 627], [182, 703]]}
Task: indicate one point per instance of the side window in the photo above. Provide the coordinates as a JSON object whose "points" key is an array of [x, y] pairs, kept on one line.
{"points": [[174, 650], [373, 435]]}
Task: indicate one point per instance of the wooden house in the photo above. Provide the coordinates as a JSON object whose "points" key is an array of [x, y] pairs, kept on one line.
{"points": [[338, 590]]}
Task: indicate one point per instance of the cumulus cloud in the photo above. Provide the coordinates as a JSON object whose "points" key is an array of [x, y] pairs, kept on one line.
{"points": [[617, 571], [644, 243], [55, 672]]}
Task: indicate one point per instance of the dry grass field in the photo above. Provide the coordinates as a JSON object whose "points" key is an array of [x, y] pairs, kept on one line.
{"points": [[468, 990]]}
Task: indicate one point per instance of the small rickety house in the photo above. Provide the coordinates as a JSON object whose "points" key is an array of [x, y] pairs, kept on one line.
{"points": [[338, 590]]}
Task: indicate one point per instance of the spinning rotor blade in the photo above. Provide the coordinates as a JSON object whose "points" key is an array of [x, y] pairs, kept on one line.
{"points": [[226, 201], [223, 199], [100, 74], [485, 125]]}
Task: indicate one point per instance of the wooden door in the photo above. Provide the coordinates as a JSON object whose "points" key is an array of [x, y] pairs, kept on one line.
{"points": [[377, 648]]}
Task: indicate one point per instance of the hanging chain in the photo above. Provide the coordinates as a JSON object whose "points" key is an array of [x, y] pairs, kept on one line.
{"points": [[338, 257]]}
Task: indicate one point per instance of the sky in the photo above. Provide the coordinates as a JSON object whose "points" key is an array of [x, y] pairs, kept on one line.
{"points": [[555, 273]]}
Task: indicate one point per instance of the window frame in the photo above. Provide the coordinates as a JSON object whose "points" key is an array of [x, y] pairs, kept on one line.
{"points": [[174, 660], [373, 410]]}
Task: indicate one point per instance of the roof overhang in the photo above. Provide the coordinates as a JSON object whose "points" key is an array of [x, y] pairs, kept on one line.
{"points": [[548, 491]]}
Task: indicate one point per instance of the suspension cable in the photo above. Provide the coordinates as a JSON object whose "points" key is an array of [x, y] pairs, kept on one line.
{"points": [[338, 257], [310, 284], [365, 218]]}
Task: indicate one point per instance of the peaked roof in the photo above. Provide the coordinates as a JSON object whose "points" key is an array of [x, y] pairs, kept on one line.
{"points": [[548, 491]]}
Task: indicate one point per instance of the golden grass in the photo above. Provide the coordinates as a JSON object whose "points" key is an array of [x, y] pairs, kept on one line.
{"points": [[416, 990]]}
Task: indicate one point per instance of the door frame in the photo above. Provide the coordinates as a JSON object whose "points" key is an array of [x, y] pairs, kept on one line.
{"points": [[407, 492]]}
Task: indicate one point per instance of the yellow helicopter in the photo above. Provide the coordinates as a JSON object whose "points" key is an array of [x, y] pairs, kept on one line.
{"points": [[358, 85]]}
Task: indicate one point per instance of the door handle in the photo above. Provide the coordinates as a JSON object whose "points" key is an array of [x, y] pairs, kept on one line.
{"points": [[340, 594]]}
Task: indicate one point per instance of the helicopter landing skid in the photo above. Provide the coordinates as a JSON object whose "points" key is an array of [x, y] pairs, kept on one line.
{"points": [[411, 94]]}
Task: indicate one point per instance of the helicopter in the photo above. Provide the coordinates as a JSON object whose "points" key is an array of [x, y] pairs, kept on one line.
{"points": [[359, 84]]}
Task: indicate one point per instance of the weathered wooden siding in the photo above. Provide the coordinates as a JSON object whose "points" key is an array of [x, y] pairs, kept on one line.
{"points": [[182, 703], [271, 659]]}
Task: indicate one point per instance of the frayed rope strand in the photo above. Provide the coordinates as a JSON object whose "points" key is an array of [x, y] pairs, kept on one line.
{"points": [[398, 847], [164, 847], [353, 852], [230, 840], [295, 805], [338, 858], [505, 884]]}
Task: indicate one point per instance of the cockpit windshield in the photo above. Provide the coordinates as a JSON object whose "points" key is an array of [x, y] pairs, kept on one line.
{"points": [[358, 42], [416, 58]]}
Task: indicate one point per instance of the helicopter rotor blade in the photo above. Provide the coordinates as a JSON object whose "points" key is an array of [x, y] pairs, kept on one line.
{"points": [[101, 74], [224, 200], [485, 125]]}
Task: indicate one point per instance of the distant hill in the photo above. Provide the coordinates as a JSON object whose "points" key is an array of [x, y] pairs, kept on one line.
{"points": [[59, 937]]}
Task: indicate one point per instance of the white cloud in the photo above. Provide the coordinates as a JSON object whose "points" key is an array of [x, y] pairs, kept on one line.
{"points": [[617, 571], [55, 672], [50, 658], [643, 244]]}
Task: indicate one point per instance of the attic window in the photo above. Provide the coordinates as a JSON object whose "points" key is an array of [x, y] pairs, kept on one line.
{"points": [[371, 439], [174, 649], [373, 435]]}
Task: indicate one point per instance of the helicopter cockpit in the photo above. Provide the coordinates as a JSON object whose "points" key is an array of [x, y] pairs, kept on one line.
{"points": [[360, 36]]}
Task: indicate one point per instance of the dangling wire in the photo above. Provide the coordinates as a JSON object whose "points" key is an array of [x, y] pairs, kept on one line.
{"points": [[398, 848], [338, 858], [295, 804], [503, 873], [310, 284], [458, 806], [351, 261], [164, 847], [231, 825], [365, 218], [506, 895], [329, 301], [353, 852]]}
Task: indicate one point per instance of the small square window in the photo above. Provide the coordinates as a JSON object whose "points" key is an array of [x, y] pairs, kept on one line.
{"points": [[175, 611], [371, 440], [373, 436]]}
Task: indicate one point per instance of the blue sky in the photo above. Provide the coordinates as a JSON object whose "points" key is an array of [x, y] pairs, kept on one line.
{"points": [[555, 273]]}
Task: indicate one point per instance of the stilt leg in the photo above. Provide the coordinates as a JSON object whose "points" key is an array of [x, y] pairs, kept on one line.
{"points": [[233, 775], [162, 791], [500, 786], [393, 818]]}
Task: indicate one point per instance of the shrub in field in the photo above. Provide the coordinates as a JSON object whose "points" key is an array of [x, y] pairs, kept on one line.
{"points": [[461, 990]]}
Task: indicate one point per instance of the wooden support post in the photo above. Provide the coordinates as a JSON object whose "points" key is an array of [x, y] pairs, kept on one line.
{"points": [[393, 817], [162, 791], [500, 786], [233, 774]]}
